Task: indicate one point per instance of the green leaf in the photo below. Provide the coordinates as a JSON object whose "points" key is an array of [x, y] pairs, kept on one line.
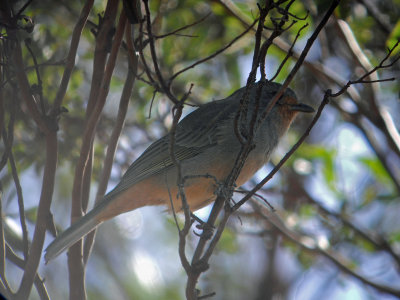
{"points": [[394, 37], [377, 169]]}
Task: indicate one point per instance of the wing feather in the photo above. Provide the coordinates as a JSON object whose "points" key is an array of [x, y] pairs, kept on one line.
{"points": [[193, 136]]}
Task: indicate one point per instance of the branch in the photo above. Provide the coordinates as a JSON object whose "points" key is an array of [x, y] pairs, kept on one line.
{"points": [[70, 61], [104, 41], [377, 115], [302, 57], [241, 115], [376, 239], [43, 212], [180, 183], [75, 262], [182, 28], [313, 248], [143, 60], [8, 139], [324, 102], [8, 135], [201, 264], [33, 259], [278, 30], [200, 261], [38, 281], [39, 87], [21, 206], [211, 55], [289, 53], [116, 133], [6, 289], [165, 88], [381, 65], [24, 85]]}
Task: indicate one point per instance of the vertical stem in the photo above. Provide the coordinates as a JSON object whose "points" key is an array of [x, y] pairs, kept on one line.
{"points": [[43, 212], [70, 63], [75, 258], [4, 284], [112, 145]]}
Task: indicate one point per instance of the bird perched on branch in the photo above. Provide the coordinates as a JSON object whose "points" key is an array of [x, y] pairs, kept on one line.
{"points": [[206, 145]]}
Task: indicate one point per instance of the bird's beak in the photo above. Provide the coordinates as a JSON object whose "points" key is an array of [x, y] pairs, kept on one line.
{"points": [[301, 107]]}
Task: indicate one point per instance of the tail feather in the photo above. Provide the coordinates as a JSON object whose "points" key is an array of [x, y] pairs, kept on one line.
{"points": [[73, 234]]}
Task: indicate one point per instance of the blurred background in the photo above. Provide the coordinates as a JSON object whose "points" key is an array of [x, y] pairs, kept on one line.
{"points": [[335, 231]]}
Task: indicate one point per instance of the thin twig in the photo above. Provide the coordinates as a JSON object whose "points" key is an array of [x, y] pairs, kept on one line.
{"points": [[39, 88], [75, 262], [203, 263], [23, 8], [182, 28], [151, 103], [70, 60], [4, 291], [21, 205], [200, 261], [43, 212], [116, 132], [376, 239], [324, 102], [8, 136], [6, 288], [301, 58], [381, 65], [143, 59], [289, 53], [33, 259], [180, 183], [165, 88], [212, 55], [299, 62], [242, 191], [20, 263], [278, 30], [315, 249], [24, 86]]}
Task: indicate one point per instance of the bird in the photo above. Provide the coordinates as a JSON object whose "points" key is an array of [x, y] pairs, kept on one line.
{"points": [[206, 146]]}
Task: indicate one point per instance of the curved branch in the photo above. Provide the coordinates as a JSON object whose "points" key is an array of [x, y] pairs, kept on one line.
{"points": [[309, 245], [24, 86], [212, 55], [165, 88], [114, 138], [75, 262], [43, 213], [70, 61]]}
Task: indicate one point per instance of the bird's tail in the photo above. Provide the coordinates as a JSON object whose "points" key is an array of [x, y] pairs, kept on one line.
{"points": [[74, 233]]}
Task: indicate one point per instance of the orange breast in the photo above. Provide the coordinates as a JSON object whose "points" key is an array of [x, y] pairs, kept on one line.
{"points": [[162, 189]]}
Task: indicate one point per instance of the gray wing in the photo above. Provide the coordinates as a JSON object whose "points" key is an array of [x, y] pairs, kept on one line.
{"points": [[195, 133]]}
